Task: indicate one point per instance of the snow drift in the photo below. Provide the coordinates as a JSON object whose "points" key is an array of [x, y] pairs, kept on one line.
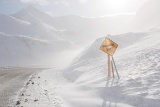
{"points": [[137, 60]]}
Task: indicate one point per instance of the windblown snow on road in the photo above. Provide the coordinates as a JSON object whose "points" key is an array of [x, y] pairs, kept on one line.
{"points": [[12, 80]]}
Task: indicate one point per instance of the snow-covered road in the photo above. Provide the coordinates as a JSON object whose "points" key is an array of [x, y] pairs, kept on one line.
{"points": [[42, 90], [11, 82]]}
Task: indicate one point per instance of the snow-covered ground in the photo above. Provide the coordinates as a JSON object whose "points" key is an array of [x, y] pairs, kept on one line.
{"points": [[85, 82], [138, 66]]}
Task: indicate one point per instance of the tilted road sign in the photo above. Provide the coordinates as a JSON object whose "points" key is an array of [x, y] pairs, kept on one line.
{"points": [[109, 47]]}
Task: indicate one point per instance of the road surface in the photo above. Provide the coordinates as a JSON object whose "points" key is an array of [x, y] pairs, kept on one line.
{"points": [[12, 81]]}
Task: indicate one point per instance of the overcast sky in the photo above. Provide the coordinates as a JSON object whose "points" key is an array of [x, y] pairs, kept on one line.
{"points": [[87, 8]]}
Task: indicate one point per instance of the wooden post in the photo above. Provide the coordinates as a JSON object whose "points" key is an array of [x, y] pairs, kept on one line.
{"points": [[109, 65], [112, 69]]}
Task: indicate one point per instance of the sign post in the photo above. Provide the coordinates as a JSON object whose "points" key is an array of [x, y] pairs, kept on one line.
{"points": [[109, 47]]}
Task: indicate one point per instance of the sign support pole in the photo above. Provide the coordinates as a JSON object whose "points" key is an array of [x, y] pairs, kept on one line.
{"points": [[115, 67]]}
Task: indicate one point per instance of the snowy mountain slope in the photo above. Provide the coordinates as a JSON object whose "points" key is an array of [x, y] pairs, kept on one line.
{"points": [[26, 50], [14, 26], [11, 24], [30, 41], [73, 22], [92, 51], [79, 30], [138, 66], [43, 24], [34, 15], [147, 16]]}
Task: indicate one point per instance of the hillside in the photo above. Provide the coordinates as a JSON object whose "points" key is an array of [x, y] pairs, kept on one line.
{"points": [[138, 65], [26, 50], [77, 29]]}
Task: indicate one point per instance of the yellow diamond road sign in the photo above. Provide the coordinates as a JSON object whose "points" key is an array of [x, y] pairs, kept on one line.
{"points": [[108, 46]]}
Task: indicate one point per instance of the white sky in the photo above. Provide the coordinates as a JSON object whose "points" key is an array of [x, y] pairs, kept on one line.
{"points": [[88, 8]]}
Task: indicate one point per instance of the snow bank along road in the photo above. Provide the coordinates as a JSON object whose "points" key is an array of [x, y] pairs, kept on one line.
{"points": [[11, 81]]}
